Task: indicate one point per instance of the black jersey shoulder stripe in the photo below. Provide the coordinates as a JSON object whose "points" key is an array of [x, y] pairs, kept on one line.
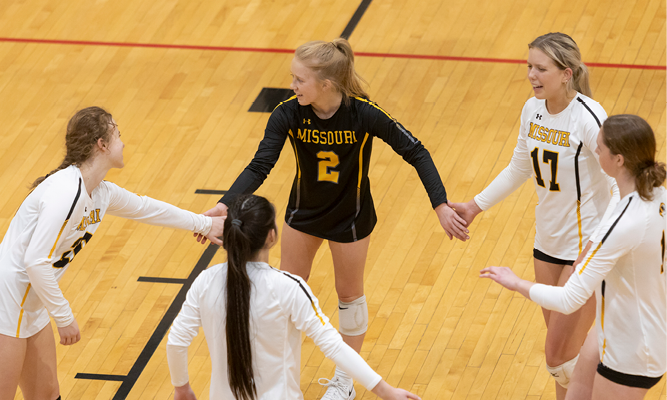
{"points": [[604, 238], [576, 170], [69, 214], [76, 198], [284, 101], [589, 110], [616, 222], [577, 180], [312, 303]]}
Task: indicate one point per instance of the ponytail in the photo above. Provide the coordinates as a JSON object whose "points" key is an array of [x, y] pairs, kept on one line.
{"points": [[648, 177], [249, 220], [334, 61], [633, 138]]}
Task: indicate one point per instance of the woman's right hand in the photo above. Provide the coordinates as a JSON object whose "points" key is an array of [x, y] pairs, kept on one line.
{"points": [[468, 211], [387, 392], [69, 334], [220, 210]]}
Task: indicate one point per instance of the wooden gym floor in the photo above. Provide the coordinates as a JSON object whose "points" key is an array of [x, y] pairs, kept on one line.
{"points": [[179, 76]]}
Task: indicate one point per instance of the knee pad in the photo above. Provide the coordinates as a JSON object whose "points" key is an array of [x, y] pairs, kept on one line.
{"points": [[563, 372], [353, 317]]}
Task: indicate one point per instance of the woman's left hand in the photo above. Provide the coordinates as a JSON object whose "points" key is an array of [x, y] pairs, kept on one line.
{"points": [[451, 222], [215, 233], [502, 275]]}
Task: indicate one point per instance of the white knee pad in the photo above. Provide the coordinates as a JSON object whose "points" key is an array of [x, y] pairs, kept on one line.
{"points": [[353, 317], [563, 372]]}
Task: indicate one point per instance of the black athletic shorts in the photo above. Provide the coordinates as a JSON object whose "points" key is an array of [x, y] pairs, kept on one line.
{"points": [[546, 258], [638, 381]]}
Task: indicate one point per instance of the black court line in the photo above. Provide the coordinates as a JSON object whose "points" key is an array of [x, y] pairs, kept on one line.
{"points": [[101, 377], [355, 19], [210, 191], [131, 378], [161, 280]]}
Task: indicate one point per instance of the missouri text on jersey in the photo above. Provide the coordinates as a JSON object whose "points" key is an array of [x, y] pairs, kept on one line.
{"points": [[94, 218], [553, 136], [329, 137]]}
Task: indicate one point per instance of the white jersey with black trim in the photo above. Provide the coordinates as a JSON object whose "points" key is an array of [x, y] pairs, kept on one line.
{"points": [[51, 226], [626, 269], [281, 307], [558, 153]]}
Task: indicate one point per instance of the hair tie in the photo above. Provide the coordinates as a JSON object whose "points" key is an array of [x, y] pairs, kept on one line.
{"points": [[237, 222], [648, 164]]}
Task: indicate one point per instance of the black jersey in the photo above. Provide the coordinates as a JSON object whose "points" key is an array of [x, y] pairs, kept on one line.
{"points": [[331, 195]]}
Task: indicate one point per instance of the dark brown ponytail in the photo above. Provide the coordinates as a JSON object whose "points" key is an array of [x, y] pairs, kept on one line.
{"points": [[249, 220], [84, 129], [633, 138]]}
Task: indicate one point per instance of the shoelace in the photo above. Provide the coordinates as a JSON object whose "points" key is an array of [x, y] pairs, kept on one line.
{"points": [[336, 384]]}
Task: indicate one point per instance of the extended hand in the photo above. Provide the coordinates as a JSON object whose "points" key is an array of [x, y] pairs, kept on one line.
{"points": [[216, 231], [387, 392], [220, 210], [502, 275], [468, 211], [451, 222], [69, 334]]}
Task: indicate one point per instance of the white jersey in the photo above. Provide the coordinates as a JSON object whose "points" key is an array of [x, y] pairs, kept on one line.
{"points": [[626, 269], [281, 307], [51, 226], [558, 152]]}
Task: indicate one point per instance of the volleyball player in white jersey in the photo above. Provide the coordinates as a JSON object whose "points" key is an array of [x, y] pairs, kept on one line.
{"points": [[54, 222], [556, 147], [625, 269], [253, 316]]}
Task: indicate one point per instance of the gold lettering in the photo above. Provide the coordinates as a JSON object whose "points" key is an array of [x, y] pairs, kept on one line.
{"points": [[565, 139], [330, 137], [551, 135], [323, 137], [541, 134], [339, 137], [533, 128], [316, 138], [348, 136], [301, 135], [354, 136]]}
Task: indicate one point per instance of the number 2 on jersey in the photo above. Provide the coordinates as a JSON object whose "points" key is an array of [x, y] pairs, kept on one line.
{"points": [[548, 157], [328, 160]]}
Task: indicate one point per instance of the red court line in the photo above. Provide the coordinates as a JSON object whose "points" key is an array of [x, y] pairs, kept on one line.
{"points": [[290, 51]]}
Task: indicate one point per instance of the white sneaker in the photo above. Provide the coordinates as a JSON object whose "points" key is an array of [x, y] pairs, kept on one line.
{"points": [[337, 389]]}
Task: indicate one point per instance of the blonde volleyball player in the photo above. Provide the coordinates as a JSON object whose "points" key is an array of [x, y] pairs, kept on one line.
{"points": [[625, 269], [253, 316], [556, 147], [331, 123], [51, 226]]}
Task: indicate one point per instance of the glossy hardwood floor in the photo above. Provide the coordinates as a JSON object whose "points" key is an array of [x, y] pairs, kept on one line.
{"points": [[179, 77]]}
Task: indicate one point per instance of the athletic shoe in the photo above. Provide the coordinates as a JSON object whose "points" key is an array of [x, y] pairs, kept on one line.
{"points": [[337, 389]]}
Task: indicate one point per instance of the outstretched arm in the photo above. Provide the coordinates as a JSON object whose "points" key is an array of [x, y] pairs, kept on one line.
{"points": [[305, 313]]}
